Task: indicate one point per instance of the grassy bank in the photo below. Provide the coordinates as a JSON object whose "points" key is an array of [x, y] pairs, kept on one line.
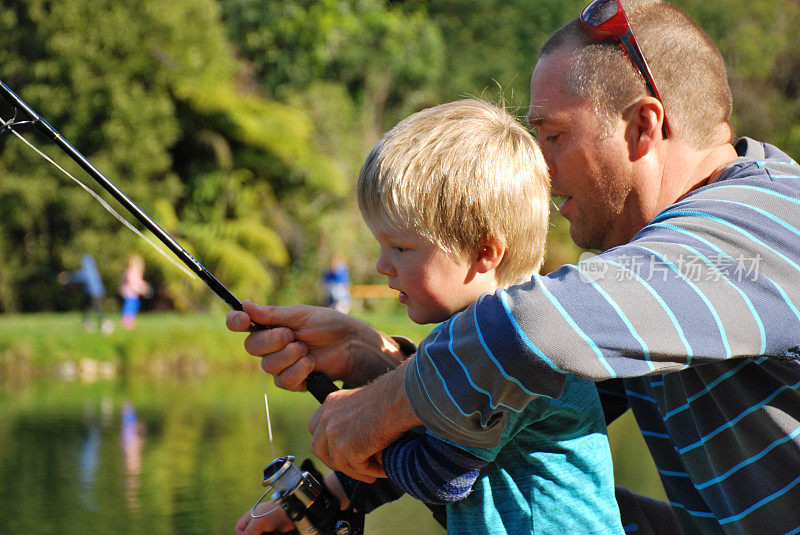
{"points": [[33, 344]]}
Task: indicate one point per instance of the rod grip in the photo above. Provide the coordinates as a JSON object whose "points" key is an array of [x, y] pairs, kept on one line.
{"points": [[319, 386]]}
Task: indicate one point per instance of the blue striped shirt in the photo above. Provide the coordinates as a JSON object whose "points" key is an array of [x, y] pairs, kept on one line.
{"points": [[549, 473], [698, 316]]}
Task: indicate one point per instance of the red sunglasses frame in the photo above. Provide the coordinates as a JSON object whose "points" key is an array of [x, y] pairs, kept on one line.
{"points": [[618, 27]]}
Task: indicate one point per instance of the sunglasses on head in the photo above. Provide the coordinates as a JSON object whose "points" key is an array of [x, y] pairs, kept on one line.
{"points": [[606, 18]]}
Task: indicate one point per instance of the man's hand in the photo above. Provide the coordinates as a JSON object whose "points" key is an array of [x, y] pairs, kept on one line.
{"points": [[301, 339], [354, 426]]}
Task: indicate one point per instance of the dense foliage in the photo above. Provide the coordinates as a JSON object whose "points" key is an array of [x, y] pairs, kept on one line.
{"points": [[240, 125]]}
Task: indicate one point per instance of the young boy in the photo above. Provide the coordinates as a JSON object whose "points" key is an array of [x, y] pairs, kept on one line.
{"points": [[457, 196]]}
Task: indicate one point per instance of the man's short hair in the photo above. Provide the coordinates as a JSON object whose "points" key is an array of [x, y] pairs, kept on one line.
{"points": [[688, 69], [458, 175]]}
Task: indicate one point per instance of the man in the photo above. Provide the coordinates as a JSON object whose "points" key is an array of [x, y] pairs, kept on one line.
{"points": [[693, 302]]}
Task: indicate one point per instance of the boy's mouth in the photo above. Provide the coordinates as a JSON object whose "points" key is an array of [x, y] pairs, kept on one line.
{"points": [[403, 297]]}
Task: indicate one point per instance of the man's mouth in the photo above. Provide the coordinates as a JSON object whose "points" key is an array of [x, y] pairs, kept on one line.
{"points": [[560, 200]]}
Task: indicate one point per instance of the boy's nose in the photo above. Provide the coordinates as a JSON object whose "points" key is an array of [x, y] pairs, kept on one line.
{"points": [[384, 268]]}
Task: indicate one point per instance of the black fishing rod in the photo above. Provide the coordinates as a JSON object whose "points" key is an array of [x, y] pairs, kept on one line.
{"points": [[319, 385], [306, 500]]}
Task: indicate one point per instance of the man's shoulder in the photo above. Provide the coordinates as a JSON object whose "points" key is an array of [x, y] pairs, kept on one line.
{"points": [[762, 164], [760, 175], [755, 199]]}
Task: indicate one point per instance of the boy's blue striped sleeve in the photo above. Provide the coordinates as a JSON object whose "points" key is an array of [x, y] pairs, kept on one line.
{"points": [[431, 470]]}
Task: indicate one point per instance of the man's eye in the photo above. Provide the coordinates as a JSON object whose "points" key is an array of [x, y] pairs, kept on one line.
{"points": [[552, 138]]}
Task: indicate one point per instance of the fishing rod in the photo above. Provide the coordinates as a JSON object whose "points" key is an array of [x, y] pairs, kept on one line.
{"points": [[310, 506], [319, 385]]}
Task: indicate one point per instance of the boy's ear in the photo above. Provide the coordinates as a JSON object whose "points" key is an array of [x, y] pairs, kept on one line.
{"points": [[490, 254]]}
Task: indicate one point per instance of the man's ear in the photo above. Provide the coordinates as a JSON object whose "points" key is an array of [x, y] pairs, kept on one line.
{"points": [[489, 256], [645, 117]]}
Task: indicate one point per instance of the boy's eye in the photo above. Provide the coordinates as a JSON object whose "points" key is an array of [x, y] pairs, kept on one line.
{"points": [[399, 248]]}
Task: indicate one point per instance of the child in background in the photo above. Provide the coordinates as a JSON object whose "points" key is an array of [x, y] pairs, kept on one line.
{"points": [[337, 285], [133, 285], [457, 196]]}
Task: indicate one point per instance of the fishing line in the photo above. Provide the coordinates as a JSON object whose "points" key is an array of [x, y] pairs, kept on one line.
{"points": [[271, 454], [269, 422], [7, 124]]}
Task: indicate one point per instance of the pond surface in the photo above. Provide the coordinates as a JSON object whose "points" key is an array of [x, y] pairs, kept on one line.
{"points": [[177, 456]]}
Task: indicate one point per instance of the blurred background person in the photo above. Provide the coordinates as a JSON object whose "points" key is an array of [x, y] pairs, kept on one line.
{"points": [[133, 286], [89, 279], [337, 285]]}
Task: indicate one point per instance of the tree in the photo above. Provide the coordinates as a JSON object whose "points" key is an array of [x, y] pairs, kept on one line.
{"points": [[151, 92], [758, 44]]}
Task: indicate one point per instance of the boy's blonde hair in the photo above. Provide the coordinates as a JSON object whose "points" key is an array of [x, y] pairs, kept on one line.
{"points": [[460, 175]]}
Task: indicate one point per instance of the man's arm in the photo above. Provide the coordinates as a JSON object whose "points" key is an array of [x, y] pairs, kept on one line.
{"points": [[353, 426], [703, 282], [302, 339]]}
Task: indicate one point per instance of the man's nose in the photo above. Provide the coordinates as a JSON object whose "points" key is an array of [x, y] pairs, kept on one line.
{"points": [[551, 164]]}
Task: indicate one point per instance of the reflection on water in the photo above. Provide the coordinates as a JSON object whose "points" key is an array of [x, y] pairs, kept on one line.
{"points": [[176, 457], [132, 440], [154, 457], [87, 464]]}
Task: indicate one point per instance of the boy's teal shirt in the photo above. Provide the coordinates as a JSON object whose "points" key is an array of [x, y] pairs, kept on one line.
{"points": [[551, 472]]}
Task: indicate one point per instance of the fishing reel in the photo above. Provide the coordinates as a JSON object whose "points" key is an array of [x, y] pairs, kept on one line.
{"points": [[311, 507]]}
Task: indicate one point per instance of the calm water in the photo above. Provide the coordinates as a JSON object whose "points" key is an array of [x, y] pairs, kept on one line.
{"points": [[173, 456]]}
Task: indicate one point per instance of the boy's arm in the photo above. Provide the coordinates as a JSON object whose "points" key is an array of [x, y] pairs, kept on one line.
{"points": [[430, 469], [423, 466]]}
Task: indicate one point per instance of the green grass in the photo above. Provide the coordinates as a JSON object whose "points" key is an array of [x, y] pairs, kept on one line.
{"points": [[45, 340], [31, 343]]}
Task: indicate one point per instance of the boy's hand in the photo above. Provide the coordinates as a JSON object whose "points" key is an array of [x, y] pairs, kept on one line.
{"points": [[302, 339], [277, 520]]}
